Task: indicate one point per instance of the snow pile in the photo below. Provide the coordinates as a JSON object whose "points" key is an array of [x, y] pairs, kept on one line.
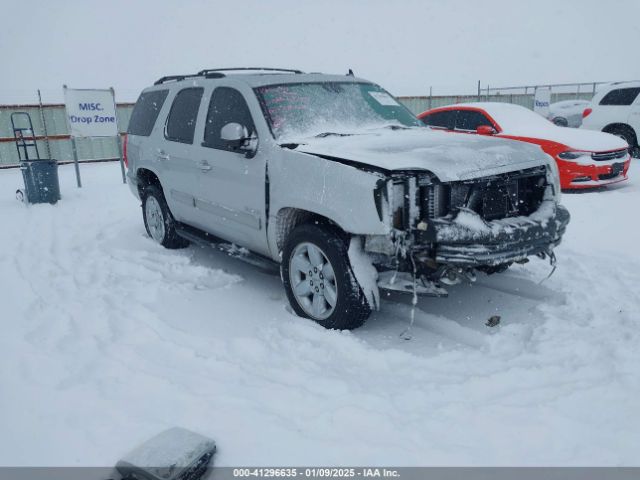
{"points": [[468, 224], [107, 339], [470, 220]]}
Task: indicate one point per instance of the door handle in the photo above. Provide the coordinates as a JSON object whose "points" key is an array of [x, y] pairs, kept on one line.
{"points": [[162, 155], [204, 166]]}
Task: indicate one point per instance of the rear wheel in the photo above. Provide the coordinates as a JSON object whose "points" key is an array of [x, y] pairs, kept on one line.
{"points": [[628, 135], [561, 122], [158, 220], [319, 280]]}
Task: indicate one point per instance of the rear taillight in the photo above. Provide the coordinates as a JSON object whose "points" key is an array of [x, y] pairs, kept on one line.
{"points": [[586, 112], [124, 150]]}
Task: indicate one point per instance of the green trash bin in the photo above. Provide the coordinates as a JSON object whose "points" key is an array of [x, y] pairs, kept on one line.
{"points": [[41, 183]]}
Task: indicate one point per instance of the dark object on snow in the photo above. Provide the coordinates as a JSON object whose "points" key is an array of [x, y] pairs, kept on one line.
{"points": [[40, 181], [350, 73], [40, 176], [175, 454], [493, 321]]}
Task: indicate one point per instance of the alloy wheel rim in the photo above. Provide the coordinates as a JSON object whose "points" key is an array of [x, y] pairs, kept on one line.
{"points": [[155, 219], [313, 281]]}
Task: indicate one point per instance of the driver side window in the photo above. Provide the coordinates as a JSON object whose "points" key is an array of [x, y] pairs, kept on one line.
{"points": [[470, 120], [227, 105]]}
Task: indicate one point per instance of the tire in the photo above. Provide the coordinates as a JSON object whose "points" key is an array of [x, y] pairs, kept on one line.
{"points": [[627, 134], [350, 308], [561, 122], [158, 220]]}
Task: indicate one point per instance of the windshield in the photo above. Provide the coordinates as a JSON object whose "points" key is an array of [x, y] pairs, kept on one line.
{"points": [[307, 109]]}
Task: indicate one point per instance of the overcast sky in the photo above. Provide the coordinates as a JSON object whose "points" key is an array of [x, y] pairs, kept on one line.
{"points": [[406, 46]]}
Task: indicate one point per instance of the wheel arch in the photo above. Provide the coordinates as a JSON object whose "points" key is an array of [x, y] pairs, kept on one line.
{"points": [[288, 218], [611, 127], [145, 178]]}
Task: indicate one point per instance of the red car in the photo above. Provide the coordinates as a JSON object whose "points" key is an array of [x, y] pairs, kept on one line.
{"points": [[586, 159]]}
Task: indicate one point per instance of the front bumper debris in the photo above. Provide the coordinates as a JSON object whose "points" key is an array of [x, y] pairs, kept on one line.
{"points": [[470, 241], [404, 282]]}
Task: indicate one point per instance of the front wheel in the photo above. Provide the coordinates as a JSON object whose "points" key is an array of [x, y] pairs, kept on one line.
{"points": [[319, 280], [158, 220]]}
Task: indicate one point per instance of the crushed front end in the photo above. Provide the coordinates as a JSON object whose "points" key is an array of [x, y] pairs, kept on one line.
{"points": [[444, 231]]}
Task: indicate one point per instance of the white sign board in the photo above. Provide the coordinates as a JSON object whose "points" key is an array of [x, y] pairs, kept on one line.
{"points": [[542, 100], [91, 113]]}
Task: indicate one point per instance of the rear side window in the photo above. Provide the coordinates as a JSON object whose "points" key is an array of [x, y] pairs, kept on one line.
{"points": [[145, 112], [621, 96], [471, 120], [227, 106], [445, 119], [181, 122]]}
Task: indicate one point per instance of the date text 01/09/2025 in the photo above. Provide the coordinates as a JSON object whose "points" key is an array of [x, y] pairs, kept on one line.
{"points": [[316, 472]]}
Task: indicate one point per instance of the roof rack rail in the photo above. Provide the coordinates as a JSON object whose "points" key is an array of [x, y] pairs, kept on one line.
{"points": [[173, 78], [170, 78], [217, 73], [264, 69], [177, 78]]}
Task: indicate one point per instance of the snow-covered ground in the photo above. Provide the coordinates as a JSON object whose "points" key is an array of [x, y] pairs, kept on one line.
{"points": [[106, 338]]}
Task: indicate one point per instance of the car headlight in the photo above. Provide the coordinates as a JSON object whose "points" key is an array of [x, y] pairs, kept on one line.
{"points": [[572, 154]]}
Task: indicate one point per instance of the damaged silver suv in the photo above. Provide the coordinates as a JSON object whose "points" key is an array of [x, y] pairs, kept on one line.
{"points": [[331, 178]]}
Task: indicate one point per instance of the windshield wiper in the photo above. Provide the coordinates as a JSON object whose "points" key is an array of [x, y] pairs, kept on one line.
{"points": [[331, 134], [397, 127], [291, 145]]}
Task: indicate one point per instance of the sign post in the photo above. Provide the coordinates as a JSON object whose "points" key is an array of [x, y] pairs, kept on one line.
{"points": [[542, 100], [119, 139], [91, 113]]}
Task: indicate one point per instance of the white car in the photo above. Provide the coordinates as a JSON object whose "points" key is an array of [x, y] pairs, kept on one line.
{"points": [[616, 109], [567, 113]]}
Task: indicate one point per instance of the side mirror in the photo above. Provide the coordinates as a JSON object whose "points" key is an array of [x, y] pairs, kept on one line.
{"points": [[486, 130], [234, 134]]}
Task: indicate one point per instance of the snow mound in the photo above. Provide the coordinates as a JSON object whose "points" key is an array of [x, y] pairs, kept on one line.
{"points": [[106, 339]]}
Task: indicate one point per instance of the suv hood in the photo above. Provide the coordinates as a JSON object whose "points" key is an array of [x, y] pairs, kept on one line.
{"points": [[449, 156]]}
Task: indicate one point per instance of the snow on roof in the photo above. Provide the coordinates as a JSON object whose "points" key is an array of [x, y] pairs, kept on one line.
{"points": [[519, 121], [569, 103], [268, 78], [169, 450], [631, 84]]}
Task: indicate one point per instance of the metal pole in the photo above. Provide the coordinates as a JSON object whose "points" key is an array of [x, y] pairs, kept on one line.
{"points": [[44, 126], [118, 137], [73, 140], [430, 97], [478, 90], [75, 161], [124, 174]]}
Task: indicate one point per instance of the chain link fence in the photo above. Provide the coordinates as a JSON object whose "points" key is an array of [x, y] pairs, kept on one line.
{"points": [[519, 95]]}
